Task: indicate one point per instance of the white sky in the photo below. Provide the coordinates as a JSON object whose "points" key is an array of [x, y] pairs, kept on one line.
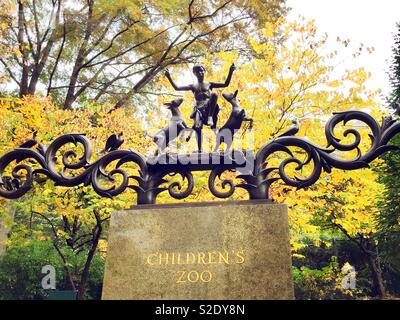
{"points": [[371, 22]]}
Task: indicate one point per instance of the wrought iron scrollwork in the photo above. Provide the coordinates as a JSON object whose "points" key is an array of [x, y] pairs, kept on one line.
{"points": [[22, 167], [216, 173], [174, 189], [324, 159]]}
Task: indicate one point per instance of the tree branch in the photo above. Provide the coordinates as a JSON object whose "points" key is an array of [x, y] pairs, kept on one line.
{"points": [[56, 238], [193, 19], [10, 73], [53, 71], [85, 65], [129, 49]]}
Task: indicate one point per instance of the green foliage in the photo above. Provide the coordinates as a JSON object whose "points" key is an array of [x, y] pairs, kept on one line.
{"points": [[389, 216], [21, 265], [321, 284], [394, 75]]}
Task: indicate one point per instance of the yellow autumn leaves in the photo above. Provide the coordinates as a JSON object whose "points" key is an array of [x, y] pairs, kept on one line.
{"points": [[290, 76]]}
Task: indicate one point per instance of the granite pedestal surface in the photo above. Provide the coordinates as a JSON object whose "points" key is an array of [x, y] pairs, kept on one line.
{"points": [[214, 251]]}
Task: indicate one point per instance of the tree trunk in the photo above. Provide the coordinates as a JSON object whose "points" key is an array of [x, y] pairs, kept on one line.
{"points": [[71, 97], [37, 71], [377, 278], [86, 269], [88, 263], [8, 219], [66, 268], [23, 89], [82, 54]]}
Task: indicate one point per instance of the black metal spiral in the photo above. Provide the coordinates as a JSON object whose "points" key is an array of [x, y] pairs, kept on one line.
{"points": [[17, 178], [324, 158]]}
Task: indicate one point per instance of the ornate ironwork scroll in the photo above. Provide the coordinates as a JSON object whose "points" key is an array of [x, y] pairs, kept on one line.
{"points": [[153, 174]]}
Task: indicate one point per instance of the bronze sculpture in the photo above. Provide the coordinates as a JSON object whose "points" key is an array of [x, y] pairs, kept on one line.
{"points": [[114, 142], [23, 166], [169, 133], [206, 109], [234, 122], [256, 174]]}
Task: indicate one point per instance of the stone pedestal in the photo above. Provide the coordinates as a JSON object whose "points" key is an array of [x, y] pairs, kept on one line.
{"points": [[214, 251]]}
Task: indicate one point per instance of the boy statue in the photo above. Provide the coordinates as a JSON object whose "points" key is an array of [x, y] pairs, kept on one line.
{"points": [[205, 111]]}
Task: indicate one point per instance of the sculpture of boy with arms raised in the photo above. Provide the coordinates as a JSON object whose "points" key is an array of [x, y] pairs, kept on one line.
{"points": [[206, 109]]}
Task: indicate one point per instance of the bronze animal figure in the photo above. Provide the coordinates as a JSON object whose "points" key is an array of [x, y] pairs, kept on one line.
{"points": [[114, 142], [206, 108], [234, 122], [169, 133]]}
